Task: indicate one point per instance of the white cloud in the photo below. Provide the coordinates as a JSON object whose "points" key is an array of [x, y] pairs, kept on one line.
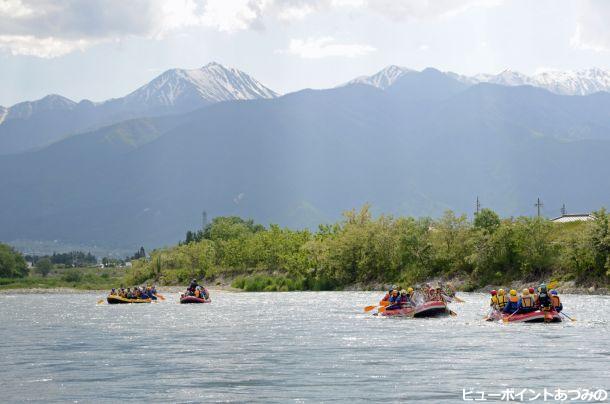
{"points": [[425, 9], [592, 31], [29, 27], [14, 9], [316, 48], [42, 47]]}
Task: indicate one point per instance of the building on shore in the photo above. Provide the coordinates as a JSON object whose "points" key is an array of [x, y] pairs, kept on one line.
{"points": [[573, 217]]}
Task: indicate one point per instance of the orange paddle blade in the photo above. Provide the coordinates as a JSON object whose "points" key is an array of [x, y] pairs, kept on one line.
{"points": [[369, 308], [160, 296], [381, 310]]}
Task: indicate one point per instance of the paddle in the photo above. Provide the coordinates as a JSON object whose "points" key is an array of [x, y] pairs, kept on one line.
{"points": [[505, 319], [565, 315], [160, 296], [452, 313], [369, 308], [450, 299], [101, 301], [488, 314]]}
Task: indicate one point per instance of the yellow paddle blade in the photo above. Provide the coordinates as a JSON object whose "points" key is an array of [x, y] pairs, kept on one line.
{"points": [[552, 285], [457, 299], [101, 301], [369, 308]]}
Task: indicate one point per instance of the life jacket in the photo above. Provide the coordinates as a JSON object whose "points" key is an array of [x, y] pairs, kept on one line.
{"points": [[514, 299], [197, 293], [501, 301], [527, 301], [555, 301], [386, 297], [494, 301]]}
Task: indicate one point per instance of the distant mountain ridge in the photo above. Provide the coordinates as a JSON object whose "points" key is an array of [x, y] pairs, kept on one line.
{"points": [[33, 124], [581, 82], [426, 143]]}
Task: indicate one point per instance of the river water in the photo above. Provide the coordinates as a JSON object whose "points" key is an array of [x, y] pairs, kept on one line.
{"points": [[289, 347]]}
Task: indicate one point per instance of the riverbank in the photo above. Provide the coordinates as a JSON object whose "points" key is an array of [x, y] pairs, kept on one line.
{"points": [[563, 287]]}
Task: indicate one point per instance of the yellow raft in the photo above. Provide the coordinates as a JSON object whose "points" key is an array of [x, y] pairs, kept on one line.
{"points": [[112, 299]]}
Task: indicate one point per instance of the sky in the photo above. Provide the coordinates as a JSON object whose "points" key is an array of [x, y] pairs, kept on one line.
{"points": [[100, 49]]}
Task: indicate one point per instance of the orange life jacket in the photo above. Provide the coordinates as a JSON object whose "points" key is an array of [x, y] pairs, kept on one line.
{"points": [[501, 301], [555, 301], [527, 301], [514, 299], [197, 293]]}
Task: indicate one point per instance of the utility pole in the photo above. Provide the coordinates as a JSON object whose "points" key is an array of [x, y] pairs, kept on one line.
{"points": [[563, 210], [204, 220], [538, 205], [478, 205]]}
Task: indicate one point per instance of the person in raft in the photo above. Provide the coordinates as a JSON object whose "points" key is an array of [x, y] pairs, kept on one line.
{"points": [[394, 300], [526, 303], [544, 298], [556, 301], [513, 302], [192, 288], [387, 296], [406, 298], [493, 301], [502, 299]]}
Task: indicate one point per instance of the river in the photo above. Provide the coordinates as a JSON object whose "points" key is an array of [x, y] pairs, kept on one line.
{"points": [[289, 347]]}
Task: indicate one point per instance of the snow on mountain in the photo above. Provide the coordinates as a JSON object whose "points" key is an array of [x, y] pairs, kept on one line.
{"points": [[574, 83], [24, 110], [580, 82], [3, 112], [384, 78], [212, 83]]}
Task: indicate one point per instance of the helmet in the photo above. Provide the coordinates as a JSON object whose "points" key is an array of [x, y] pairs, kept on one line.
{"points": [[198, 288], [501, 291], [394, 292], [531, 290], [525, 292], [194, 280], [403, 292], [554, 292], [542, 287], [493, 292], [410, 290], [513, 292]]}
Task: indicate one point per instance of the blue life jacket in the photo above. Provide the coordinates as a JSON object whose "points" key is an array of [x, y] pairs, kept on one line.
{"points": [[511, 307]]}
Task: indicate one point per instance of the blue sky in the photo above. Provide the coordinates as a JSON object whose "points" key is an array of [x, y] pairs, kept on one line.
{"points": [[99, 49]]}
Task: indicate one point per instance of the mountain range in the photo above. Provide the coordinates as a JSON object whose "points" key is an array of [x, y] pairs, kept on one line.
{"points": [[415, 143], [582, 82], [34, 124]]}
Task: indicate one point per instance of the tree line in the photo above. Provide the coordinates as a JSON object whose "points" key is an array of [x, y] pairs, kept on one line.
{"points": [[365, 249]]}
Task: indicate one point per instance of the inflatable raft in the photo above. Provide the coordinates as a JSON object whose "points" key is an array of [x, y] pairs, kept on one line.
{"points": [[193, 299], [123, 300], [428, 309], [537, 316]]}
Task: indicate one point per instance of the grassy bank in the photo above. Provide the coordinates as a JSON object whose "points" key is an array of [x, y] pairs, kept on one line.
{"points": [[365, 252]]}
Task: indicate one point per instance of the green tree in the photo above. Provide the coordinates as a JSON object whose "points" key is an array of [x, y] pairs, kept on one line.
{"points": [[486, 219], [12, 263], [44, 266]]}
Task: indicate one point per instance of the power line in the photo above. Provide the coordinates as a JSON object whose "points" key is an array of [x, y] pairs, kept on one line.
{"points": [[538, 205]]}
